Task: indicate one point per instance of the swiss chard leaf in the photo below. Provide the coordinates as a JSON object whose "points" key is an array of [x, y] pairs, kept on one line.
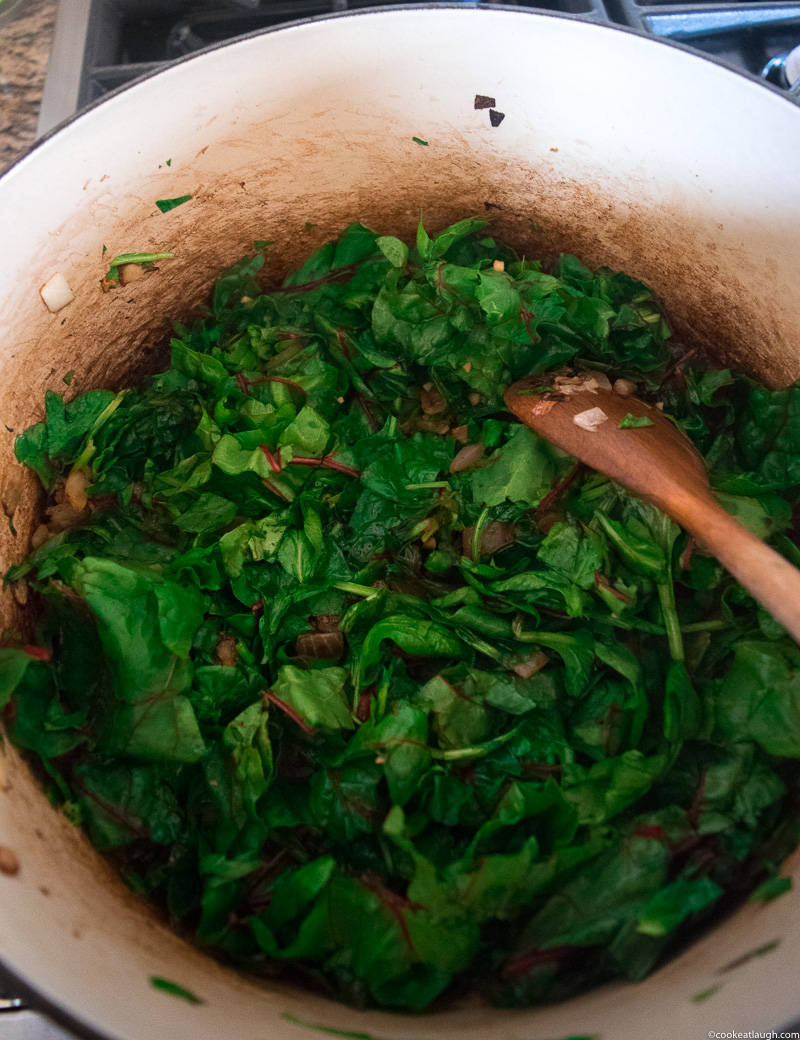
{"points": [[359, 678], [146, 636]]}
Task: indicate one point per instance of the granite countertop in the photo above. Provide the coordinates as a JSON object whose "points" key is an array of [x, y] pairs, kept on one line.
{"points": [[26, 34]]}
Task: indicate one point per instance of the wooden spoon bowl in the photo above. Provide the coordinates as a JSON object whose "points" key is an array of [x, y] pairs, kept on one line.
{"points": [[659, 463]]}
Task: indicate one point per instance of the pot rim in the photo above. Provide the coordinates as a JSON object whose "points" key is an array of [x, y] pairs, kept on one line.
{"points": [[452, 5], [28, 990]]}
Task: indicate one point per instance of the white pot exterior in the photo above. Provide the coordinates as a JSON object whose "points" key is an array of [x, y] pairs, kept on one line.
{"points": [[628, 152]]}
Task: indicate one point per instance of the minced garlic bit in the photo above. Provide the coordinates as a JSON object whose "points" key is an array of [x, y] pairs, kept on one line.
{"points": [[590, 419]]}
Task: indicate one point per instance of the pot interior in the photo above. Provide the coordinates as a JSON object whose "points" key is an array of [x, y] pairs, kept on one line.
{"points": [[648, 160]]}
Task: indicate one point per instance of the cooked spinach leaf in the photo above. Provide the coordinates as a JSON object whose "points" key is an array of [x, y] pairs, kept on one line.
{"points": [[357, 677]]}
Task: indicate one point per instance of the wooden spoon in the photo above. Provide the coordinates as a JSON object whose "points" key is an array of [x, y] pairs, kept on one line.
{"points": [[660, 464]]}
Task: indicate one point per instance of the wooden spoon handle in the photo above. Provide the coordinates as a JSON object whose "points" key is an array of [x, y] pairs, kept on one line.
{"points": [[771, 579]]}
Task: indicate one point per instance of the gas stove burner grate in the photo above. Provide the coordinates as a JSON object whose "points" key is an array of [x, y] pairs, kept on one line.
{"points": [[753, 35], [104, 44], [202, 28]]}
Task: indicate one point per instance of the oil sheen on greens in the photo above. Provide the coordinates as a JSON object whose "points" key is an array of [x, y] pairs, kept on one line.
{"points": [[350, 716]]}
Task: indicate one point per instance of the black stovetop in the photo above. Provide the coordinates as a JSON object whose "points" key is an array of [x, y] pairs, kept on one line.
{"points": [[103, 44]]}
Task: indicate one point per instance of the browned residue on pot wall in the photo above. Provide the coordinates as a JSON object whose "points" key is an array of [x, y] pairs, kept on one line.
{"points": [[114, 338]]}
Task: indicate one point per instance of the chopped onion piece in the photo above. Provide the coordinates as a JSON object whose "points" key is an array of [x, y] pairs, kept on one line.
{"points": [[320, 646], [497, 535], [56, 293], [130, 273], [585, 382], [75, 490], [12, 492], [62, 516], [431, 400], [40, 536], [599, 379], [590, 419], [525, 669], [226, 652], [466, 457]]}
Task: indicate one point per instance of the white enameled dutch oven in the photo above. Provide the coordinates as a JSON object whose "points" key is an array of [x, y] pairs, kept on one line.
{"points": [[624, 150]]}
